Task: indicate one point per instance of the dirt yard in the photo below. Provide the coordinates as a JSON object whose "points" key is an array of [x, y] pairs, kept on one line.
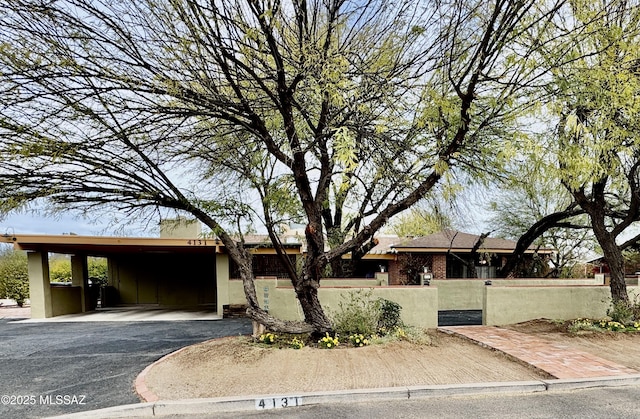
{"points": [[235, 366]]}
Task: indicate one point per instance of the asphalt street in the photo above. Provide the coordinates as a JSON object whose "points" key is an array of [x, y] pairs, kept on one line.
{"points": [[594, 403], [59, 368]]}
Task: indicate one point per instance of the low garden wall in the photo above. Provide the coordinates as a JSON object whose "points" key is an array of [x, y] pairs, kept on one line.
{"points": [[468, 294], [514, 304], [505, 301], [419, 304]]}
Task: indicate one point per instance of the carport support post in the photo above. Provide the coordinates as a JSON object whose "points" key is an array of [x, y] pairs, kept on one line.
{"points": [[80, 278], [39, 285], [222, 282]]}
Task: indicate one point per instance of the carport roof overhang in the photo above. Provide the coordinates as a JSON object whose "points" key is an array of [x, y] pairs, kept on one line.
{"points": [[103, 246]]}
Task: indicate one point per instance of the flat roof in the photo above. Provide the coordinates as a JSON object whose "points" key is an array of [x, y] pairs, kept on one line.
{"points": [[105, 245]]}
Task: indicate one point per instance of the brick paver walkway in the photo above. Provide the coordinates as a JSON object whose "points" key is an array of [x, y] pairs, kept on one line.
{"points": [[560, 361]]}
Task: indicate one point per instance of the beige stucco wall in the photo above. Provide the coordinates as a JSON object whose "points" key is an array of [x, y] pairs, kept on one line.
{"points": [[180, 228], [419, 304], [39, 286], [66, 300], [505, 305], [468, 294]]}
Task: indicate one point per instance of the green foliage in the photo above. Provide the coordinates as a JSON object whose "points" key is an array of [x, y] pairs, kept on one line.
{"points": [[14, 278], [59, 269], [604, 325], [98, 270], [419, 222], [389, 317], [625, 312], [284, 340], [357, 314], [413, 334], [18, 290], [587, 325], [624, 316], [410, 334], [360, 314]]}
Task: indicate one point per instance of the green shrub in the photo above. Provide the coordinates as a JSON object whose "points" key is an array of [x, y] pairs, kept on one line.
{"points": [[18, 290], [14, 278], [357, 314], [59, 269], [98, 270], [625, 312], [587, 325], [579, 325], [360, 314], [389, 314]]}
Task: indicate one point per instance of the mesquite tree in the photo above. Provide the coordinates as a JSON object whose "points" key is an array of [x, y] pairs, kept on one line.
{"points": [[592, 149], [333, 113]]}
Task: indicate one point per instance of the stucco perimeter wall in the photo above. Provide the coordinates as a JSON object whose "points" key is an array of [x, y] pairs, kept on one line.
{"points": [[66, 300], [419, 304], [468, 294], [506, 305]]}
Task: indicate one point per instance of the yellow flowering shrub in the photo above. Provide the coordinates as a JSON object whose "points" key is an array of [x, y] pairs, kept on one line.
{"points": [[358, 340], [328, 342]]}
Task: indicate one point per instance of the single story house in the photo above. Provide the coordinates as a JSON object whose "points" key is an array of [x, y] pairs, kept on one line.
{"points": [[184, 269], [448, 254]]}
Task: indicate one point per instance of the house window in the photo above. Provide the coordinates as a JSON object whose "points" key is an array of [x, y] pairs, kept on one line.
{"points": [[264, 265]]}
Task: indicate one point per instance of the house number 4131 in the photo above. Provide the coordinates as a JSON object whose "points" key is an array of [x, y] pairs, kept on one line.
{"points": [[278, 402]]}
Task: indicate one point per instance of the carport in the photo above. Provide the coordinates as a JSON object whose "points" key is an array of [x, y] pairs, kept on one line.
{"points": [[163, 272]]}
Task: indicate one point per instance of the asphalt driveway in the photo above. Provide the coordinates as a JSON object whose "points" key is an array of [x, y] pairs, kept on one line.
{"points": [[52, 369]]}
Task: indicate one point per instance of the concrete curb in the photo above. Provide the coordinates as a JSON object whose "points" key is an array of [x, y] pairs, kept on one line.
{"points": [[247, 403], [580, 383]]}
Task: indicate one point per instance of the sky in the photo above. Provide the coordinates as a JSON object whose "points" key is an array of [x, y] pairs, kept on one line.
{"points": [[65, 224], [35, 224]]}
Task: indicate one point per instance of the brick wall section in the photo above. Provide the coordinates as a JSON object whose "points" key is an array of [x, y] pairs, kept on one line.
{"points": [[394, 273], [408, 262], [439, 267]]}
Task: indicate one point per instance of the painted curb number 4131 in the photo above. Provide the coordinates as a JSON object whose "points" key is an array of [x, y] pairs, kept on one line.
{"points": [[278, 402]]}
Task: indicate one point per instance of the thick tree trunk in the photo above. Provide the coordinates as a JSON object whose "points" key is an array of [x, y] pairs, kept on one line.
{"points": [[314, 315], [615, 260], [612, 253], [307, 288]]}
